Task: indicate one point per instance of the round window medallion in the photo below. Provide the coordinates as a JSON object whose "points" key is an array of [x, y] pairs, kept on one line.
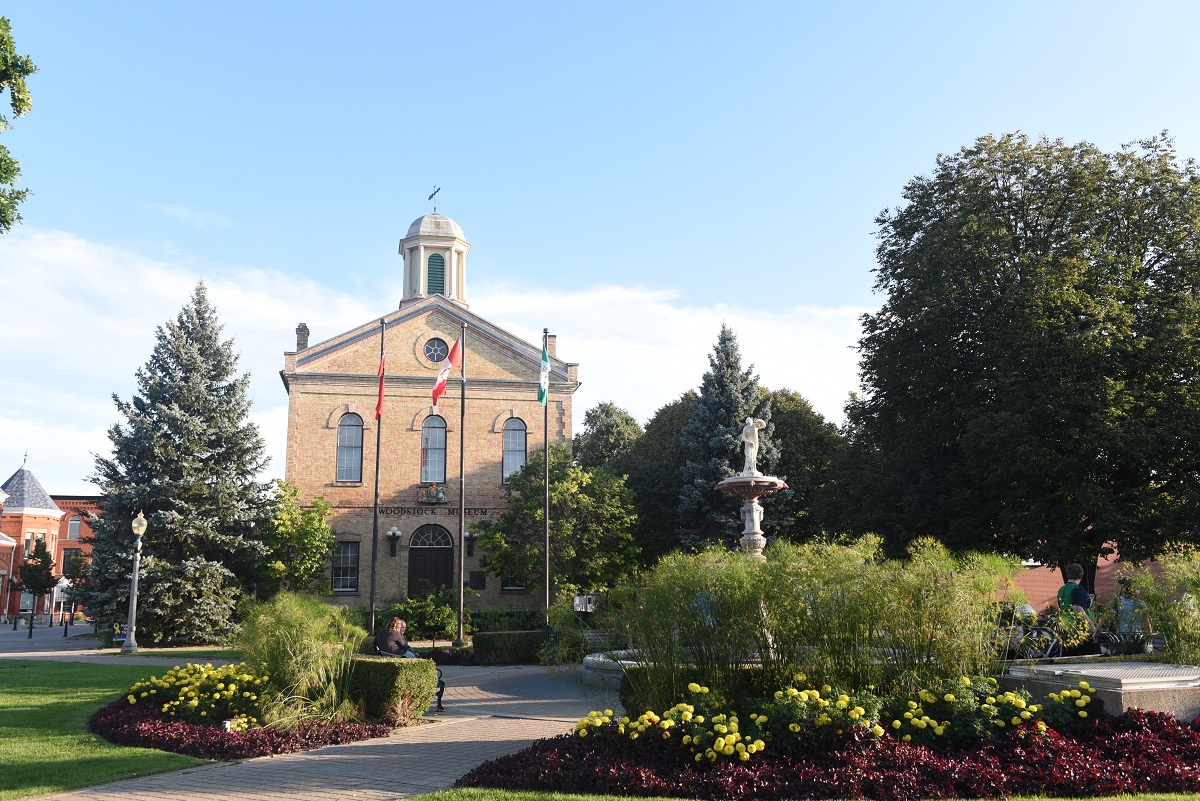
{"points": [[436, 350]]}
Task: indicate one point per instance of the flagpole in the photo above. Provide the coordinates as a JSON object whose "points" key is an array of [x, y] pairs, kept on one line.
{"points": [[378, 449], [462, 485], [546, 475]]}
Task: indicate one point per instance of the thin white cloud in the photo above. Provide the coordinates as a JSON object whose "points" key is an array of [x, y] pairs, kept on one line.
{"points": [[192, 217], [81, 320]]}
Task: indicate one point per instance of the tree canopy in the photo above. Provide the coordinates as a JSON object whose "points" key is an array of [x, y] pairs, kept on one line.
{"points": [[591, 526], [653, 469], [607, 431], [187, 455], [14, 69], [807, 446], [1031, 379], [299, 539]]}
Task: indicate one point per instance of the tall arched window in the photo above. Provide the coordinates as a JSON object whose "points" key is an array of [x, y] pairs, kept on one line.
{"points": [[437, 274], [514, 446], [349, 448], [433, 450], [72, 529]]}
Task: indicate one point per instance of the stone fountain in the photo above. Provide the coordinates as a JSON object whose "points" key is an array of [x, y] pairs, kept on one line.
{"points": [[750, 485]]}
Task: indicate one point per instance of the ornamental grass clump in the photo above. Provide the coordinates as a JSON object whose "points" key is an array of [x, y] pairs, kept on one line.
{"points": [[840, 613], [205, 695]]}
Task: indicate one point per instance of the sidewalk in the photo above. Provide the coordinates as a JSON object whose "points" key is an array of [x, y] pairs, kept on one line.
{"points": [[490, 711]]}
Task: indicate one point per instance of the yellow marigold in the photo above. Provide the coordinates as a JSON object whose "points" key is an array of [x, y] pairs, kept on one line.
{"points": [[759, 745], [583, 732], [1083, 713], [906, 738], [693, 687], [966, 680], [948, 697], [896, 724], [131, 699]]}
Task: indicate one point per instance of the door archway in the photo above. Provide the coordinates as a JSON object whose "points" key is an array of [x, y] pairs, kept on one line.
{"points": [[430, 560]]}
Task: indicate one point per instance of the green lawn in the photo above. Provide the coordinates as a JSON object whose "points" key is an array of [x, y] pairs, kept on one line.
{"points": [[45, 746]]}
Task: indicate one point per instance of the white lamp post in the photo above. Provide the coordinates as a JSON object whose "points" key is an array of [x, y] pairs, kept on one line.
{"points": [[139, 528]]}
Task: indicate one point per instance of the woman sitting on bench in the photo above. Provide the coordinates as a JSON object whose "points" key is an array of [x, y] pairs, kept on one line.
{"points": [[390, 640]]}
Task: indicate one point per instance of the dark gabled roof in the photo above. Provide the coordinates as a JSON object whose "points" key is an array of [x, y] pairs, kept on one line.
{"points": [[26, 492]]}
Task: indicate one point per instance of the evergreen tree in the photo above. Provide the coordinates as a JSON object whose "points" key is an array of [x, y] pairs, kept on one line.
{"points": [[728, 395], [187, 456]]}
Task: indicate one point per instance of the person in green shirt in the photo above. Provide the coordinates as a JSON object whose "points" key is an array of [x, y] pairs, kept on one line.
{"points": [[1074, 610]]}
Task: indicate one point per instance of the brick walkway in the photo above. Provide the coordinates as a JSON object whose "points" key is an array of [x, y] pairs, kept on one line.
{"points": [[489, 712]]}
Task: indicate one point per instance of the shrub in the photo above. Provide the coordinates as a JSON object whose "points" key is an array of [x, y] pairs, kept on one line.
{"points": [[428, 616], [507, 647], [717, 611], [205, 695], [304, 645], [1170, 602], [506, 619], [395, 691]]}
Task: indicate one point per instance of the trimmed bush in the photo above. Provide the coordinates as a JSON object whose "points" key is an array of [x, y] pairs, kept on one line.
{"points": [[395, 691], [507, 647]]}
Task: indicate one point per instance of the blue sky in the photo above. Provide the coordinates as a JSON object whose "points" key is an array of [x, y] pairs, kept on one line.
{"points": [[629, 174]]}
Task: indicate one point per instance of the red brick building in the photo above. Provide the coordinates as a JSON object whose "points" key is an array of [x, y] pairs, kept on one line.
{"points": [[29, 515]]}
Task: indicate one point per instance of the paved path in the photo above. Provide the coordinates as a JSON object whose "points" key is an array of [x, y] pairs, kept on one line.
{"points": [[489, 712]]}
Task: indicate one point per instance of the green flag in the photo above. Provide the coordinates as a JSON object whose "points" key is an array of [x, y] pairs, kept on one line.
{"points": [[544, 380]]}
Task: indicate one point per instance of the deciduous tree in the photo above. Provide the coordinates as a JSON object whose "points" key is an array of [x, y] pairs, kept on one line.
{"points": [[14, 69], [607, 431], [1032, 380], [299, 539], [591, 526]]}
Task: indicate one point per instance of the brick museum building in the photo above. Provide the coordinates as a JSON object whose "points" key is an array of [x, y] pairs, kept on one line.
{"points": [[333, 387]]}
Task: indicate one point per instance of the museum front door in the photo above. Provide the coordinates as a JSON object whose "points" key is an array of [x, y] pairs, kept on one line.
{"points": [[430, 560]]}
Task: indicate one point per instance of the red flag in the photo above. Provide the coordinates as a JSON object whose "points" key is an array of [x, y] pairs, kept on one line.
{"points": [[379, 403], [453, 360]]}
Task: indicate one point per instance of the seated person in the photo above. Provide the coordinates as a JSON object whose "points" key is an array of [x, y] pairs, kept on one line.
{"points": [[390, 640]]}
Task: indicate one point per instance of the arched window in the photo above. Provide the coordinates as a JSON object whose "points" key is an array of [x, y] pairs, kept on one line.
{"points": [[72, 529], [514, 446], [349, 448], [437, 274], [431, 536], [433, 450]]}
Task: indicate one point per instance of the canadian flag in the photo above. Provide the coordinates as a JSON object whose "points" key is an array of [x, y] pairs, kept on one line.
{"points": [[453, 360]]}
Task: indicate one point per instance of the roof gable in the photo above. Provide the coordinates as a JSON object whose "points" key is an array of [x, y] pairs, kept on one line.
{"points": [[27, 496]]}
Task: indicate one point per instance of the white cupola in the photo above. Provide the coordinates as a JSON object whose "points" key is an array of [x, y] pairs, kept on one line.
{"points": [[435, 260]]}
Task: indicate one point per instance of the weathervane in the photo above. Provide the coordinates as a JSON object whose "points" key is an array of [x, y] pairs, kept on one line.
{"points": [[436, 189]]}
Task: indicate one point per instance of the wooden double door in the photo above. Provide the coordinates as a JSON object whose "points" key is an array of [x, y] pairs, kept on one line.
{"points": [[430, 560]]}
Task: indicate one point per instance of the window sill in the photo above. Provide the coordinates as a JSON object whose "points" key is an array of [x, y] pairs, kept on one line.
{"points": [[344, 484]]}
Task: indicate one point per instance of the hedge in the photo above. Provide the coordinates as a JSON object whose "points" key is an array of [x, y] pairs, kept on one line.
{"points": [[507, 647], [395, 691]]}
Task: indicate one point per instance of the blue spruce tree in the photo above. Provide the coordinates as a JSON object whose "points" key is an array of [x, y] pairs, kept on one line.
{"points": [[728, 395], [187, 456]]}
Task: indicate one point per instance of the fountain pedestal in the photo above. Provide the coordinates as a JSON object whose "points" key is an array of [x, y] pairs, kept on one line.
{"points": [[751, 488]]}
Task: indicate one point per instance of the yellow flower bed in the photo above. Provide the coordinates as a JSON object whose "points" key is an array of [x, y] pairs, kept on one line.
{"points": [[206, 695]]}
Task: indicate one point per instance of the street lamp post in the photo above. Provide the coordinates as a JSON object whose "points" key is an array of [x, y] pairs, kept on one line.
{"points": [[139, 528]]}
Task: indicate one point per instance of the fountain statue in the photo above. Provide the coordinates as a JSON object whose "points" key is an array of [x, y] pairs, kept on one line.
{"points": [[750, 485]]}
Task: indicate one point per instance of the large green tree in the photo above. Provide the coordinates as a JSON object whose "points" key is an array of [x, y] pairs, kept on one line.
{"points": [[728, 395], [607, 431], [653, 468], [807, 445], [188, 456], [14, 69], [591, 526], [1032, 380]]}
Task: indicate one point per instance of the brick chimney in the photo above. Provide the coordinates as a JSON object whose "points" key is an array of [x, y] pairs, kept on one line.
{"points": [[301, 337]]}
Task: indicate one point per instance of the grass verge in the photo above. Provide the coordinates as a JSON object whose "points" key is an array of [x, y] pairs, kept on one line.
{"points": [[45, 746]]}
